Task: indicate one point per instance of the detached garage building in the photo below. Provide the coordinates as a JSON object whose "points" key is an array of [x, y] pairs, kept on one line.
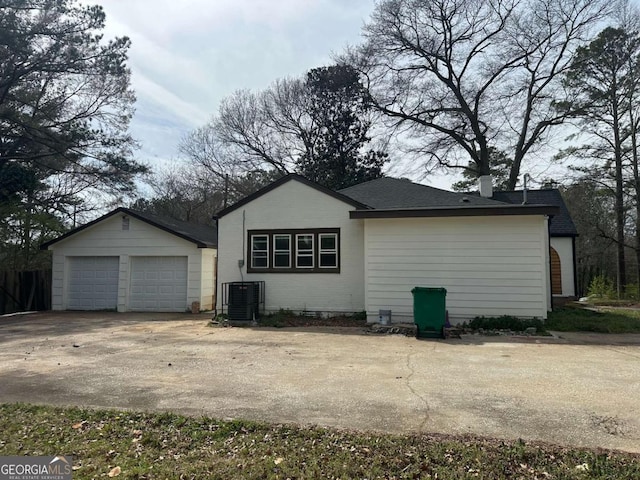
{"points": [[134, 262]]}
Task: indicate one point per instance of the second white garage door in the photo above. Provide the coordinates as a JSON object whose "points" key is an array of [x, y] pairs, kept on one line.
{"points": [[158, 284]]}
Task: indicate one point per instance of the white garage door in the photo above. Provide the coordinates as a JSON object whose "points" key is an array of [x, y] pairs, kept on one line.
{"points": [[93, 283], [158, 284]]}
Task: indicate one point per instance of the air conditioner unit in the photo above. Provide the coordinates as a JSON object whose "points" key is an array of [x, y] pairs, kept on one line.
{"points": [[243, 300]]}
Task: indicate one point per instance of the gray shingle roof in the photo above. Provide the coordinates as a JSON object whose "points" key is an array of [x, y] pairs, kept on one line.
{"points": [[204, 234], [561, 225], [388, 193], [201, 235]]}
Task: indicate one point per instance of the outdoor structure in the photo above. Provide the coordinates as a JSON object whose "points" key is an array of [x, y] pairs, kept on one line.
{"points": [[132, 261], [366, 247], [562, 232]]}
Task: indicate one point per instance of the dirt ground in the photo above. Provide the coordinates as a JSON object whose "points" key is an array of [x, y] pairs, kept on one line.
{"points": [[582, 389]]}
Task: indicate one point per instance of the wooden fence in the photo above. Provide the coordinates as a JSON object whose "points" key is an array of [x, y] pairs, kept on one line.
{"points": [[25, 291]]}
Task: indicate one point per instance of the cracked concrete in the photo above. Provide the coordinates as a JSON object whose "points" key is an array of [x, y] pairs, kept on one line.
{"points": [[426, 417], [579, 390]]}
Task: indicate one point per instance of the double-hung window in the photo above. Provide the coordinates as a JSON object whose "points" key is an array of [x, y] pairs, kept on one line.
{"points": [[305, 250], [281, 251], [259, 251], [328, 250]]}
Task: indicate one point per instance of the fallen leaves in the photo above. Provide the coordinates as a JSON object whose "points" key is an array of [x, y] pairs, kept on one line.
{"points": [[131, 444], [114, 472]]}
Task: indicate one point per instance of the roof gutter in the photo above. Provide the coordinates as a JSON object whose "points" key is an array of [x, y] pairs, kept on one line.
{"points": [[467, 211]]}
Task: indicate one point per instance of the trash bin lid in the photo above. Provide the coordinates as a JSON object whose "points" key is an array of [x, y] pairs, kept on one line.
{"points": [[428, 289]]}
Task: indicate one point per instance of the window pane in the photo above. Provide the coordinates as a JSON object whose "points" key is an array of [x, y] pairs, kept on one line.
{"points": [[281, 242], [259, 259], [328, 260], [327, 242], [305, 242], [305, 260], [282, 260], [259, 251], [259, 243]]}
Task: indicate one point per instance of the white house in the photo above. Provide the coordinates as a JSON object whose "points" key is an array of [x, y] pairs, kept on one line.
{"points": [[367, 246], [132, 261], [562, 232]]}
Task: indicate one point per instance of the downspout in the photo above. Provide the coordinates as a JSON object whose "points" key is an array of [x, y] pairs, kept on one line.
{"points": [[549, 255], [575, 268], [215, 267], [242, 262]]}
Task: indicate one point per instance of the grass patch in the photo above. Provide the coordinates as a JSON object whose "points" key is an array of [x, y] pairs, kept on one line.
{"points": [[610, 320], [165, 445]]}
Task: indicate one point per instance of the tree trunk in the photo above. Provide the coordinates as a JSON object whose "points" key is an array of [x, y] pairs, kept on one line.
{"points": [[619, 205], [636, 186], [514, 173]]}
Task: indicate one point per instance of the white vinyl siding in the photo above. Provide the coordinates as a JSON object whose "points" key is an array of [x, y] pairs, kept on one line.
{"points": [[490, 266]]}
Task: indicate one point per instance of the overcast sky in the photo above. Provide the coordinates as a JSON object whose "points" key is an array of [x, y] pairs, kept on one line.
{"points": [[187, 55]]}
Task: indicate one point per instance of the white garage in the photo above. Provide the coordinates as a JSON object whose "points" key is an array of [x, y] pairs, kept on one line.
{"points": [[133, 261]]}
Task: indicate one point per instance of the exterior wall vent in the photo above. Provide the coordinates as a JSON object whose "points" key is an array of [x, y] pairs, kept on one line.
{"points": [[125, 223]]}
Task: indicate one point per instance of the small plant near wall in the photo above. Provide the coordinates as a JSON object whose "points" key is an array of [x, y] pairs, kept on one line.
{"points": [[287, 318], [505, 322], [278, 319]]}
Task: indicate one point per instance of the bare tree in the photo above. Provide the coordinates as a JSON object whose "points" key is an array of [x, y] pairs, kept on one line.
{"points": [[461, 76], [319, 125], [270, 128]]}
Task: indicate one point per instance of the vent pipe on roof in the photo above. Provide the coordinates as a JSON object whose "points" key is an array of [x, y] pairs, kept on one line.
{"points": [[485, 185], [524, 190]]}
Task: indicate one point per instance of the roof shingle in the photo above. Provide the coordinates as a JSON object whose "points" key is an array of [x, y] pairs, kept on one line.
{"points": [[560, 225], [388, 193], [202, 235]]}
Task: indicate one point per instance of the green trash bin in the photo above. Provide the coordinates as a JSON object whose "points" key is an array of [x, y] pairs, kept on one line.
{"points": [[429, 311]]}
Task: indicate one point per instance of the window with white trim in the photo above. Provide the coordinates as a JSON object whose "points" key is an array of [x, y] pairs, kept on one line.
{"points": [[328, 250], [281, 251], [301, 250], [259, 251], [304, 250]]}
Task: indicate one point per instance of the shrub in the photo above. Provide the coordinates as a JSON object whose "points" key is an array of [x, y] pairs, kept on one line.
{"points": [[601, 287], [631, 291], [506, 322], [360, 315]]}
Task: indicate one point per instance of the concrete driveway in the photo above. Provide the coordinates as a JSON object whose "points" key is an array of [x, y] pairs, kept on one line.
{"points": [[582, 390]]}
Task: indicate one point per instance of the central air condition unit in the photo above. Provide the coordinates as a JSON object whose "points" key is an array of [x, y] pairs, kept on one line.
{"points": [[243, 300]]}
